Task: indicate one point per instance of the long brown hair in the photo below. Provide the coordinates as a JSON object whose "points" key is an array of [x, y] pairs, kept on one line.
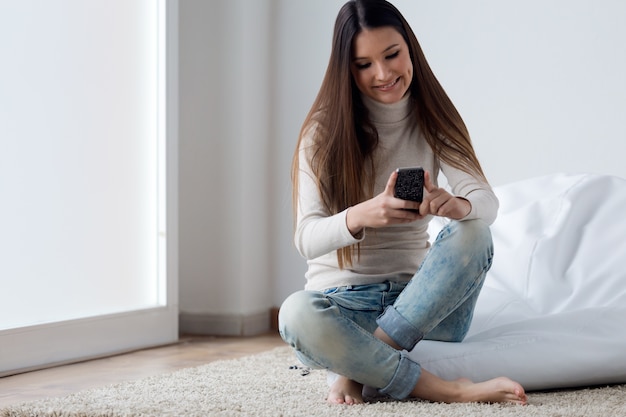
{"points": [[344, 139]]}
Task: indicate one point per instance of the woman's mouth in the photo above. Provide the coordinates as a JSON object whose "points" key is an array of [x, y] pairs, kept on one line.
{"points": [[388, 86]]}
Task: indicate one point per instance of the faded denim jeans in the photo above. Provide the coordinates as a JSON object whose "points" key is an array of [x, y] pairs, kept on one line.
{"points": [[333, 329]]}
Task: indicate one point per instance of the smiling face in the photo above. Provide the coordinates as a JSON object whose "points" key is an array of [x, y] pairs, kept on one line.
{"points": [[381, 65]]}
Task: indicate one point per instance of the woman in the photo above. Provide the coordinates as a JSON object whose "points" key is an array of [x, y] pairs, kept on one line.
{"points": [[375, 287]]}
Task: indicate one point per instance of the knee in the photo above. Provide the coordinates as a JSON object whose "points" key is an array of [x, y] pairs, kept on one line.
{"points": [[294, 313], [479, 243], [291, 309], [305, 317], [477, 230], [474, 234], [468, 240]]}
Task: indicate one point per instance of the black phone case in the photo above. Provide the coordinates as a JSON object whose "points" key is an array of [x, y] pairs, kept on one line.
{"points": [[410, 184]]}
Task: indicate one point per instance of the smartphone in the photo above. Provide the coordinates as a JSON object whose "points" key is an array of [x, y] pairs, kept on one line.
{"points": [[410, 184]]}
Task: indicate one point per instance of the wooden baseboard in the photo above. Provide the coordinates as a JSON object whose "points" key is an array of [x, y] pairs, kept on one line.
{"points": [[274, 318], [229, 324]]}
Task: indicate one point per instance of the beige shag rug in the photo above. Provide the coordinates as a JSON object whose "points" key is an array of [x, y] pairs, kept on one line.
{"points": [[275, 384]]}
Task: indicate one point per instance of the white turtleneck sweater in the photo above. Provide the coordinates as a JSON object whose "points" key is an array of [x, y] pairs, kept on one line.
{"points": [[391, 253]]}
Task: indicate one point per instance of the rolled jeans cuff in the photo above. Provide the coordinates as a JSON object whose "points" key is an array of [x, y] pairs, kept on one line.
{"points": [[399, 329], [404, 379]]}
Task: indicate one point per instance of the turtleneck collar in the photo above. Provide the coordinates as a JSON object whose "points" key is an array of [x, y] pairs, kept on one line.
{"points": [[381, 113]]}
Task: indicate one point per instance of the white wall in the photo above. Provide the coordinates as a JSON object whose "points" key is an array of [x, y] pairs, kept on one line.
{"points": [[225, 161], [303, 38], [540, 85]]}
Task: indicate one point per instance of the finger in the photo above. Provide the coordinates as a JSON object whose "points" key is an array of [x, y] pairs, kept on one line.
{"points": [[431, 207], [438, 200], [391, 183], [424, 208], [428, 183], [454, 208], [439, 208], [433, 201]]}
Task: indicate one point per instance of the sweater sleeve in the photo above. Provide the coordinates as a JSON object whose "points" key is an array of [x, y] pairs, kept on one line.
{"points": [[317, 231], [484, 202]]}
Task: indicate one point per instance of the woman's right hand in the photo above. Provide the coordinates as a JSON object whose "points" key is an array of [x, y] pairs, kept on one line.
{"points": [[382, 210]]}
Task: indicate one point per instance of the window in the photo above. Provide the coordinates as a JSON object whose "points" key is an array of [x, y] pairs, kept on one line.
{"points": [[87, 178]]}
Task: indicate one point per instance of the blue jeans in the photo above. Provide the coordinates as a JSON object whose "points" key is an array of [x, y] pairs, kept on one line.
{"points": [[333, 329]]}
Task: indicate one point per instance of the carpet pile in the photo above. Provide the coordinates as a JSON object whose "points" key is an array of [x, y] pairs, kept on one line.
{"points": [[273, 383]]}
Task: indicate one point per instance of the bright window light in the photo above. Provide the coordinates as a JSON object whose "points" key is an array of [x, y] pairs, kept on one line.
{"points": [[82, 161]]}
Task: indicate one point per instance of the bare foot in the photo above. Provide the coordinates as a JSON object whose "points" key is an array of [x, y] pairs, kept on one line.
{"points": [[497, 390], [430, 387], [345, 391], [464, 381]]}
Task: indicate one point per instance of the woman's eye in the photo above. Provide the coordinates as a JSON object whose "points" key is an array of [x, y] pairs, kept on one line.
{"points": [[362, 66], [394, 55]]}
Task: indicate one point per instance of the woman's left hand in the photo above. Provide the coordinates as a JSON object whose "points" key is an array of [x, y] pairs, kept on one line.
{"points": [[438, 202]]}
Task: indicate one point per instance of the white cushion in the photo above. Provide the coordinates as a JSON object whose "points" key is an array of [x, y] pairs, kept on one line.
{"points": [[552, 312]]}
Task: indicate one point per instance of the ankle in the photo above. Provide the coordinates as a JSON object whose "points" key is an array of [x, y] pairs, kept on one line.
{"points": [[380, 334]]}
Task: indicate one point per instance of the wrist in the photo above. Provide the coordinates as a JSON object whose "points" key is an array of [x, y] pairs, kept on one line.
{"points": [[467, 206], [355, 229]]}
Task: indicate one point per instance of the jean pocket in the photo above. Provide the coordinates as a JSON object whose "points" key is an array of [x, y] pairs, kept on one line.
{"points": [[358, 300]]}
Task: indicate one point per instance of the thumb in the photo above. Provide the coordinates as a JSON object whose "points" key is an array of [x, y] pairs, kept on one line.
{"points": [[391, 183]]}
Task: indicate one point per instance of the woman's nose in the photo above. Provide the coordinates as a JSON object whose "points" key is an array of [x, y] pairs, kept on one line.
{"points": [[381, 71]]}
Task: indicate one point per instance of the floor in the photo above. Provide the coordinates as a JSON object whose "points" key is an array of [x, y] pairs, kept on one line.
{"points": [[189, 351]]}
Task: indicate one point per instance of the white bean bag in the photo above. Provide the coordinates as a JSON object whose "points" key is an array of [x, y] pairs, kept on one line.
{"points": [[552, 312]]}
